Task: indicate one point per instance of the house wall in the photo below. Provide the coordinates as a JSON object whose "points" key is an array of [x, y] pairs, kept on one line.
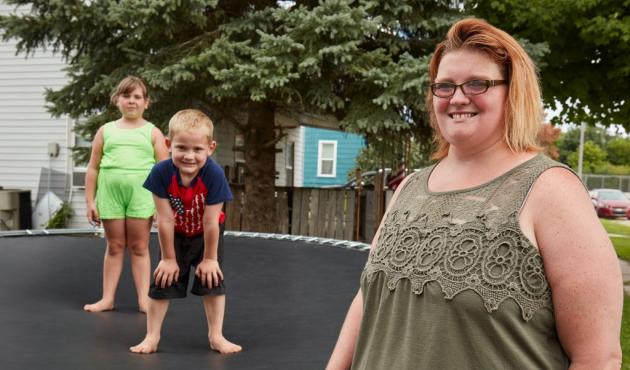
{"points": [[295, 136], [348, 147], [298, 170], [224, 136], [26, 128]]}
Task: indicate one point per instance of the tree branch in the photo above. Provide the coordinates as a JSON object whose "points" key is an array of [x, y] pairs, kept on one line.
{"points": [[227, 115], [278, 136]]}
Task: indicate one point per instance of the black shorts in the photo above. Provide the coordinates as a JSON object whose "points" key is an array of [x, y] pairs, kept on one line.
{"points": [[189, 253]]}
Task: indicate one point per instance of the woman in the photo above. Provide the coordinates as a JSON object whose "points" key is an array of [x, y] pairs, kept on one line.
{"points": [[493, 258]]}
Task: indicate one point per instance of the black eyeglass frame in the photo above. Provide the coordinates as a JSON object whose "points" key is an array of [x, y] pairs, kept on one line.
{"points": [[488, 84]]}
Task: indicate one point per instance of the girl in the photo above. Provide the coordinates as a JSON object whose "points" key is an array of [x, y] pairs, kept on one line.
{"points": [[123, 153]]}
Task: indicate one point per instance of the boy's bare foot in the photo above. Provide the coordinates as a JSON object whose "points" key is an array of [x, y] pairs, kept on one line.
{"points": [[99, 306], [148, 345], [224, 346]]}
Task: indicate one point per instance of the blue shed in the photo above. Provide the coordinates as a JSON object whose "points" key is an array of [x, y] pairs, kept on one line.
{"points": [[329, 155]]}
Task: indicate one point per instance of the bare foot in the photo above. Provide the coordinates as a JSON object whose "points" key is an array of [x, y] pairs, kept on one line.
{"points": [[148, 345], [222, 345], [99, 306]]}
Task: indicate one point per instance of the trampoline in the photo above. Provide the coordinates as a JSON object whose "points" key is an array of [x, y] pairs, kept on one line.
{"points": [[286, 302]]}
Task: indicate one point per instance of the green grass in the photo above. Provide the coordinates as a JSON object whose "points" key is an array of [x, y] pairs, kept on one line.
{"points": [[621, 243], [622, 246], [625, 334], [615, 227]]}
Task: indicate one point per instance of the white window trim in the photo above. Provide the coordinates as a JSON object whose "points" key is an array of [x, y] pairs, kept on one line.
{"points": [[289, 164], [320, 145], [76, 172]]}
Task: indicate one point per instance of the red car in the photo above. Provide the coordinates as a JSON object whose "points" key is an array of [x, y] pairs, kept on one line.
{"points": [[610, 203]]}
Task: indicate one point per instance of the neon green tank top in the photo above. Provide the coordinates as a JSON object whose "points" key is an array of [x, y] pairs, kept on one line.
{"points": [[127, 149]]}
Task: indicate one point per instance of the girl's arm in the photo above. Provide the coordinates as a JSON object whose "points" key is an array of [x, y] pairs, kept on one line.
{"points": [[582, 270], [341, 358], [159, 145], [91, 175]]}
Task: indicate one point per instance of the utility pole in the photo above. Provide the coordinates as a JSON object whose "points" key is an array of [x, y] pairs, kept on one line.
{"points": [[581, 150]]}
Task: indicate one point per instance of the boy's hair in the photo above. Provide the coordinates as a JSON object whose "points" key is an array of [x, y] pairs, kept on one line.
{"points": [[190, 119], [127, 85], [523, 106]]}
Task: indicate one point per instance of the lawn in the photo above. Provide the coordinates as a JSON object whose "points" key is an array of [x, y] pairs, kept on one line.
{"points": [[618, 231], [625, 334], [622, 246]]}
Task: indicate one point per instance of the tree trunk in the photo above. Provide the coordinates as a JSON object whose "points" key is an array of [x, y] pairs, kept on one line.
{"points": [[259, 211]]}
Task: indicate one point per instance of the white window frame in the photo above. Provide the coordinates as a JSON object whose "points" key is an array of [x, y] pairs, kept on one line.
{"points": [[289, 157], [239, 141], [320, 147]]}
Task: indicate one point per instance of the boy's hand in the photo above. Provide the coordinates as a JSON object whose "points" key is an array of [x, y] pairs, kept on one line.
{"points": [[209, 272], [166, 272], [92, 215]]}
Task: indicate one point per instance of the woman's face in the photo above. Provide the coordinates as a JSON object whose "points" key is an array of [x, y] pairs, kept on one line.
{"points": [[475, 122]]}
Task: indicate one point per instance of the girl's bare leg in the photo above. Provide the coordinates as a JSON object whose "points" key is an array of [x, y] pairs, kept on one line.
{"points": [[138, 233], [112, 265]]}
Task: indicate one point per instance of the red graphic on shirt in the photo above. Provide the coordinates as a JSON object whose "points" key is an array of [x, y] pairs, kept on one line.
{"points": [[188, 204]]}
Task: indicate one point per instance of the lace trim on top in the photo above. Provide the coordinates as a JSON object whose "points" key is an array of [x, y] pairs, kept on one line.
{"points": [[465, 240]]}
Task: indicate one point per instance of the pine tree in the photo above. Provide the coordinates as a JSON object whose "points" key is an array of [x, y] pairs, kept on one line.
{"points": [[361, 63]]}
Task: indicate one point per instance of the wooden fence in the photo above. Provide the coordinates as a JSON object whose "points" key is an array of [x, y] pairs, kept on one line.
{"points": [[329, 213]]}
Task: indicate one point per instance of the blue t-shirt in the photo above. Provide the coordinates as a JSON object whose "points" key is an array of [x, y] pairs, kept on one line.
{"points": [[188, 202]]}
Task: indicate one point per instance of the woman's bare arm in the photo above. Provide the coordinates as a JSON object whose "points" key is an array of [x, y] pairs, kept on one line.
{"points": [[582, 270]]}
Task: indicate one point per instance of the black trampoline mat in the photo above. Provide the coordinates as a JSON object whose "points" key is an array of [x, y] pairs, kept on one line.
{"points": [[286, 302]]}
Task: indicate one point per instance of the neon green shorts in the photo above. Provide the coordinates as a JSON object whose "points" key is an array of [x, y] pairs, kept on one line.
{"points": [[121, 195]]}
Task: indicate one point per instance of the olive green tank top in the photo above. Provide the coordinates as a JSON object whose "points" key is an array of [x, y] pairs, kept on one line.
{"points": [[453, 283], [127, 149]]}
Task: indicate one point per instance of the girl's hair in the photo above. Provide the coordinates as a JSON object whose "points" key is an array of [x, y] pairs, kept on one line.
{"points": [[190, 119], [128, 85], [523, 106]]}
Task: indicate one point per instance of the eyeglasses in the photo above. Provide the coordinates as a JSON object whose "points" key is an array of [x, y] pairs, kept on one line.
{"points": [[473, 87]]}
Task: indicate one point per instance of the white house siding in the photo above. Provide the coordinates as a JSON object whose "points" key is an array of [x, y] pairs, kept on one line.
{"points": [[295, 136], [77, 202], [282, 156], [224, 136], [281, 161], [298, 168], [26, 128]]}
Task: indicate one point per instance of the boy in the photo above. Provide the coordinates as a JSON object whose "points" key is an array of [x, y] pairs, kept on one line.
{"points": [[189, 190]]}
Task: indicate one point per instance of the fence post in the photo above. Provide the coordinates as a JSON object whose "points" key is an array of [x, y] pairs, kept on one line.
{"points": [[379, 201], [357, 205]]}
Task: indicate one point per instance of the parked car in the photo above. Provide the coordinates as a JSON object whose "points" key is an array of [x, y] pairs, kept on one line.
{"points": [[610, 203]]}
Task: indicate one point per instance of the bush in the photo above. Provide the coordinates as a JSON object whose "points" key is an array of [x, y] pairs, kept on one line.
{"points": [[611, 169], [59, 220]]}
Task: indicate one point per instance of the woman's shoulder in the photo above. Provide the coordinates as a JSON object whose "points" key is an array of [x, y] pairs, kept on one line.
{"points": [[560, 187]]}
